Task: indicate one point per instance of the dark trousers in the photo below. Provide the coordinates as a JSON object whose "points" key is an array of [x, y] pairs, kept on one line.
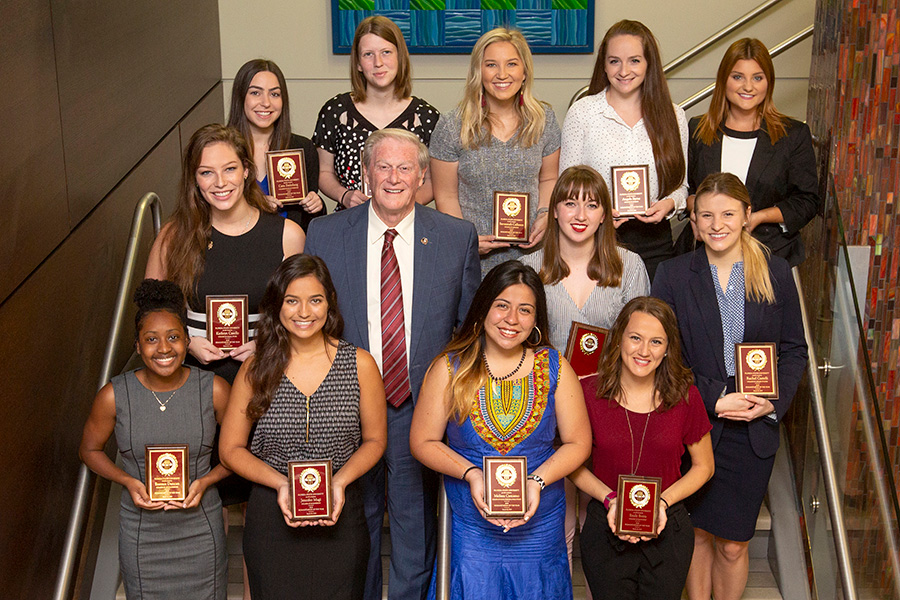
{"points": [[411, 492], [654, 570]]}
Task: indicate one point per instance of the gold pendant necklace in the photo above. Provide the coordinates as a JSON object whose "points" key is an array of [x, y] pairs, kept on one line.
{"points": [[634, 466], [162, 405]]}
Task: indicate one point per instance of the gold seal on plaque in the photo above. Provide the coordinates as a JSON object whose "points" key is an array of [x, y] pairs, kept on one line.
{"points": [[310, 479], [630, 180], [227, 313], [506, 475], [756, 360], [639, 496], [287, 167], [167, 464], [589, 343], [512, 206]]}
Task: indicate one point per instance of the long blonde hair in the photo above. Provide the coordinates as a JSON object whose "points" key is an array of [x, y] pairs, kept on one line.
{"points": [[475, 115], [605, 266], [757, 280], [743, 49]]}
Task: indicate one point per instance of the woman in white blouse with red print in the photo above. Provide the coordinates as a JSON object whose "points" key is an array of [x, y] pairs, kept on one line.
{"points": [[628, 119]]}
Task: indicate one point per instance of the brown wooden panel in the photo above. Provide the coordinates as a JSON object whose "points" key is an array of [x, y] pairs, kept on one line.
{"points": [[128, 71], [54, 330], [33, 211], [209, 110]]}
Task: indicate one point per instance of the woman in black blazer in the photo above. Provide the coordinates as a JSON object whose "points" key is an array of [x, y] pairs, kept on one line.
{"points": [[753, 293], [772, 154]]}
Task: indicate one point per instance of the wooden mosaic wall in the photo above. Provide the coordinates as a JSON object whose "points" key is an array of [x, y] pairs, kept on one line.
{"points": [[453, 26], [854, 111]]}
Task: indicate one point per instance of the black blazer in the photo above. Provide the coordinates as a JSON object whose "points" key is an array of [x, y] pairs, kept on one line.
{"points": [[685, 283], [782, 174]]}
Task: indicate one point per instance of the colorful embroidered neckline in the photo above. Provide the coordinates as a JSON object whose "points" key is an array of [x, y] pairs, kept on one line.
{"points": [[510, 411]]}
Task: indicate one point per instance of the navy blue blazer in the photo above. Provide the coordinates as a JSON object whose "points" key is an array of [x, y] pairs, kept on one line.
{"points": [[685, 283], [446, 273], [782, 174]]}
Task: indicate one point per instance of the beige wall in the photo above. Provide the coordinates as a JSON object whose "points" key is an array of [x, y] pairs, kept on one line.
{"points": [[298, 38]]}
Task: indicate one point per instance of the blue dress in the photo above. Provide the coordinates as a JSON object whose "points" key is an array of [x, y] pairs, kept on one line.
{"points": [[528, 562]]}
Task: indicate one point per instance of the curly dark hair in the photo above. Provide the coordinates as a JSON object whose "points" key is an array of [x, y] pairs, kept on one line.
{"points": [[154, 295], [273, 342]]}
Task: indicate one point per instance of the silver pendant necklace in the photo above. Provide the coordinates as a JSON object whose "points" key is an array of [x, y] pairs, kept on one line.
{"points": [[162, 405]]}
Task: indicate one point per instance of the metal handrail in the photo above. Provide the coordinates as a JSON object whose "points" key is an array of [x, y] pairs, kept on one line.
{"points": [[680, 60], [785, 45], [829, 478], [150, 201]]}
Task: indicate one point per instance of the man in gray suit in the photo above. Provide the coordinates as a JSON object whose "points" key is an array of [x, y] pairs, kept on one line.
{"points": [[405, 275]]}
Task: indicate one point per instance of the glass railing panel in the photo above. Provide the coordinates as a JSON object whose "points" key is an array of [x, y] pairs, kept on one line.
{"points": [[853, 413]]}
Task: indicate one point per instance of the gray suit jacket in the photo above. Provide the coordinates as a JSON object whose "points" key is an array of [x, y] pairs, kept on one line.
{"points": [[446, 273]]}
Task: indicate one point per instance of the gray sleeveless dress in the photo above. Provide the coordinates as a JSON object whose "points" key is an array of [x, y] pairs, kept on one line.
{"points": [[175, 553]]}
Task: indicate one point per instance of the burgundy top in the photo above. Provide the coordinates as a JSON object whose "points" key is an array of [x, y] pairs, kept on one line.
{"points": [[667, 434]]}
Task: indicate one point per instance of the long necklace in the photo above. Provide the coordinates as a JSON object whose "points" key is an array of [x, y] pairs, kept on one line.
{"points": [[162, 405], [513, 372], [634, 466]]}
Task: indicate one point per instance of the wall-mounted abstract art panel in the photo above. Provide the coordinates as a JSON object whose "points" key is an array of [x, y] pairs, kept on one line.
{"points": [[453, 26]]}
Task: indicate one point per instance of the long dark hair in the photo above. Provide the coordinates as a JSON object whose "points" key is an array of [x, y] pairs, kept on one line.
{"points": [[672, 379], [281, 134], [273, 342], [155, 295], [468, 341], [189, 228], [605, 266], [656, 104]]}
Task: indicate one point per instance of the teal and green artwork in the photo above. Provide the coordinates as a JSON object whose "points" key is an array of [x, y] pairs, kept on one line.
{"points": [[453, 26]]}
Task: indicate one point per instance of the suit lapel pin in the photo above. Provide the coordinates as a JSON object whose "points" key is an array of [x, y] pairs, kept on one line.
{"points": [[424, 241]]}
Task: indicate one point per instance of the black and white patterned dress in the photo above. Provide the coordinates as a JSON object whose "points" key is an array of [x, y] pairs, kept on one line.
{"points": [[342, 131], [307, 562]]}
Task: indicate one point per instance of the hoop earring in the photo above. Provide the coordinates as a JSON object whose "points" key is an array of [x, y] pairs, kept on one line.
{"points": [[540, 337]]}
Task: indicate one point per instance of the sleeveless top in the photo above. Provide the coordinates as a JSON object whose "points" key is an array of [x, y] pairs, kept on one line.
{"points": [[317, 427], [235, 265], [189, 418]]}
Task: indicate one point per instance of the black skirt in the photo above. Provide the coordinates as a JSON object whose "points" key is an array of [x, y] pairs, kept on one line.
{"points": [[728, 505], [315, 562]]}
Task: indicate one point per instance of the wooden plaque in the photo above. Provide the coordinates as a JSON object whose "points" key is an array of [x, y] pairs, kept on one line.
{"points": [[287, 175], [167, 471], [511, 217], [227, 321], [584, 346], [504, 485], [310, 488], [630, 192], [757, 369], [637, 505]]}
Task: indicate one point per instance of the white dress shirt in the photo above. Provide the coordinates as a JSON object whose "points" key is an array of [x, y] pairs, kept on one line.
{"points": [[403, 249]]}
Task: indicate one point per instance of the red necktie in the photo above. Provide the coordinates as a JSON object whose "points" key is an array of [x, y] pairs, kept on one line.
{"points": [[393, 336]]}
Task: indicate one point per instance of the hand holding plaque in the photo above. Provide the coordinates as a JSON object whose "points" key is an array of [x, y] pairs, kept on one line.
{"points": [[504, 485], [227, 321], [511, 217], [310, 489], [637, 506], [286, 170], [630, 194], [583, 348], [757, 369], [166, 469]]}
